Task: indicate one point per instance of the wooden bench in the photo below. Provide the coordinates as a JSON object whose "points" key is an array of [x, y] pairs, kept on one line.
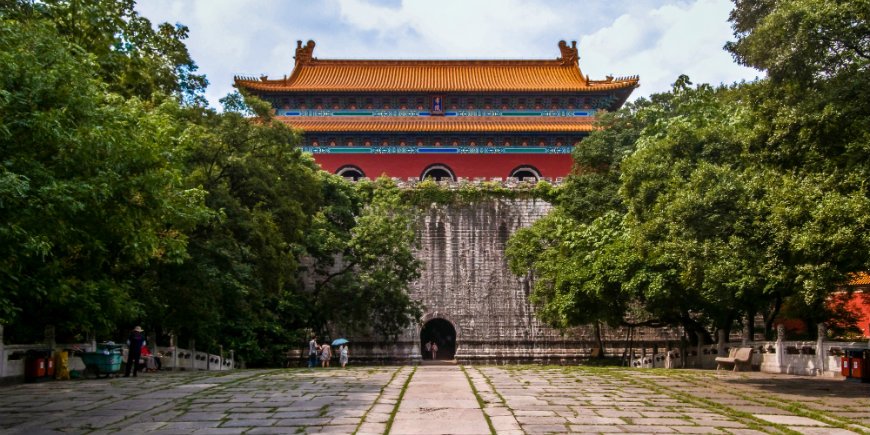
{"points": [[737, 356]]}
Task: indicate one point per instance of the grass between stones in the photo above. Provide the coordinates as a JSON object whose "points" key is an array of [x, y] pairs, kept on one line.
{"points": [[480, 401], [750, 420], [497, 394], [796, 408], [381, 394], [624, 374], [399, 401], [185, 403]]}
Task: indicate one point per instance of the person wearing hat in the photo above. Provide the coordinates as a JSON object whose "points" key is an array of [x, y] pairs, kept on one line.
{"points": [[134, 352]]}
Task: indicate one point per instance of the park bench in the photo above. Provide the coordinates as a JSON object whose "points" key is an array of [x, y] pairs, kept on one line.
{"points": [[737, 356]]}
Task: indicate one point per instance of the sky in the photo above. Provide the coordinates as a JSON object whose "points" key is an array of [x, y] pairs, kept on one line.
{"points": [[655, 39]]}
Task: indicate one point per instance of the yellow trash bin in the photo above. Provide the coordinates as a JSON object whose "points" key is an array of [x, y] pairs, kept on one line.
{"points": [[61, 362]]}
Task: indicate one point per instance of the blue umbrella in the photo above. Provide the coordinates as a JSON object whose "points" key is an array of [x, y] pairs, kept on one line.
{"points": [[339, 341]]}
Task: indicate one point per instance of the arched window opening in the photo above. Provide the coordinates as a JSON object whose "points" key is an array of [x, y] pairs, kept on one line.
{"points": [[526, 173], [438, 173], [350, 173]]}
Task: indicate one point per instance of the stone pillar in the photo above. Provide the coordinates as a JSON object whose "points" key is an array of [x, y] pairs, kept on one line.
{"points": [[721, 339], [699, 362], [173, 343], [414, 356], [780, 348], [232, 358], [684, 345], [192, 350], [821, 355], [221, 350], [2, 354]]}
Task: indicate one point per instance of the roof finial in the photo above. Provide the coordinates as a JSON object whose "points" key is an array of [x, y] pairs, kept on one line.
{"points": [[569, 54], [304, 54]]}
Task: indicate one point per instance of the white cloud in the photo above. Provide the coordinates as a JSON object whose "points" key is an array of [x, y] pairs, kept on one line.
{"points": [[660, 44], [456, 28], [656, 39]]}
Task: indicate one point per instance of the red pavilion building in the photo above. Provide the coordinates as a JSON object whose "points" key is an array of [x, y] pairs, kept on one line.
{"points": [[443, 119]]}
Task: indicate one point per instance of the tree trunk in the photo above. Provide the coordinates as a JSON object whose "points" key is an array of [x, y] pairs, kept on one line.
{"points": [[771, 316], [599, 342]]}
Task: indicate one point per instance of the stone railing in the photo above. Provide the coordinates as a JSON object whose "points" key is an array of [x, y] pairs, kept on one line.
{"points": [[184, 359], [810, 358], [13, 357]]}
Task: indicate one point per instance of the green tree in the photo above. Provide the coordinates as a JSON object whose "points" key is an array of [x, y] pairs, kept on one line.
{"points": [[242, 285], [133, 57], [362, 281], [88, 194], [290, 247], [811, 127]]}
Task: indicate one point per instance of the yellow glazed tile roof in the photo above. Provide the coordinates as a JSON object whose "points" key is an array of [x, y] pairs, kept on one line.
{"points": [[314, 75], [451, 124], [860, 279]]}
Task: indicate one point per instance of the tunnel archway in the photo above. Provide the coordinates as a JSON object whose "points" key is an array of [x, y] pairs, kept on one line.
{"points": [[442, 333]]}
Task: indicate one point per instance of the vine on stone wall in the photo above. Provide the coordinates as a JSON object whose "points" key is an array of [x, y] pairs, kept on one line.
{"points": [[427, 192]]}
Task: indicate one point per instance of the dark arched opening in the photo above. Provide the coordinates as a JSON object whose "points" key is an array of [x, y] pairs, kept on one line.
{"points": [[350, 172], [438, 172], [526, 173], [442, 333]]}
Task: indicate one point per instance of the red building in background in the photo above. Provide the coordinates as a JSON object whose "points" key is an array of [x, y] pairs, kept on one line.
{"points": [[443, 119]]}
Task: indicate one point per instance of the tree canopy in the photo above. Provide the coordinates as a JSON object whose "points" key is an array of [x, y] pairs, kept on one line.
{"points": [[703, 206], [124, 201]]}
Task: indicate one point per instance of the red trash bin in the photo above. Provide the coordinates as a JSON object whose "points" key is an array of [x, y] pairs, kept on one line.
{"points": [[49, 366], [864, 373], [34, 367], [857, 367]]}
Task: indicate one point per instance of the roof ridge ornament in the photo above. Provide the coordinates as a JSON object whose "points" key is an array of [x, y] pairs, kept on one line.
{"points": [[304, 54], [570, 56]]}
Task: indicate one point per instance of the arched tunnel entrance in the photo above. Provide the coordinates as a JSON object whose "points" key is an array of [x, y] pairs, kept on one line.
{"points": [[442, 333]]}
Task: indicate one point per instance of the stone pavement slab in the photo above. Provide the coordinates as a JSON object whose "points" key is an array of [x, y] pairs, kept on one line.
{"points": [[440, 400]]}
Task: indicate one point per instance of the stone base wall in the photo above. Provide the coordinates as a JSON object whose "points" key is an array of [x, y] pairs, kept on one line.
{"points": [[466, 281]]}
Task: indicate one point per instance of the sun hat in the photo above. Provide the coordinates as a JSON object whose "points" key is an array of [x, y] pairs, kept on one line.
{"points": [[138, 329]]}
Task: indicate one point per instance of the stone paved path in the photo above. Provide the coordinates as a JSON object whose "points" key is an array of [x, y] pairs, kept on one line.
{"points": [[441, 400]]}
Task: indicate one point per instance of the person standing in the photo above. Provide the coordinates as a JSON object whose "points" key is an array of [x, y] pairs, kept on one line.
{"points": [[429, 347], [312, 351], [325, 355], [134, 351], [434, 350], [342, 355]]}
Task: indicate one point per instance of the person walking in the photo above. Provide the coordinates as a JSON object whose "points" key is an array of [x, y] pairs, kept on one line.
{"points": [[342, 355], [325, 355], [134, 351], [313, 348]]}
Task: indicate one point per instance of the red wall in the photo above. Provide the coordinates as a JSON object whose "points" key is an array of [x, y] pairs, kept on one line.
{"points": [[463, 165], [860, 304]]}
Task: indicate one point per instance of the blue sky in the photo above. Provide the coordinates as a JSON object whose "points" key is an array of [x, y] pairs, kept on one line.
{"points": [[655, 39]]}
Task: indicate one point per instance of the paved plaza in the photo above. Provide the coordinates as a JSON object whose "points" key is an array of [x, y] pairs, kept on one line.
{"points": [[441, 400]]}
